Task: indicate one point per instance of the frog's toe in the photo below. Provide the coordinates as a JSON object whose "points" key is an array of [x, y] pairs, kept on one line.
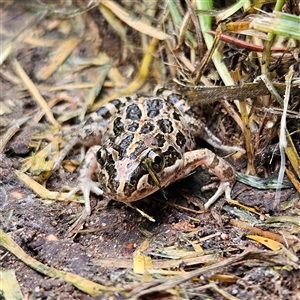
{"points": [[224, 187], [72, 193], [86, 187]]}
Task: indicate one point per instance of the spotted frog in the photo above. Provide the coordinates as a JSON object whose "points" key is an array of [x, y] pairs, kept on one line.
{"points": [[139, 145]]}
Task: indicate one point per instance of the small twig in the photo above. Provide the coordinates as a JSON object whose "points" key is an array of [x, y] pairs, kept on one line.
{"points": [[282, 136], [243, 44]]}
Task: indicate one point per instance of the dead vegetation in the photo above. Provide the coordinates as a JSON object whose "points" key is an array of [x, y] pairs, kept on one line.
{"points": [[62, 60]]}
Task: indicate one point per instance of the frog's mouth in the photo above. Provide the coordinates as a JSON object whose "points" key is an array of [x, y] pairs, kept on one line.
{"points": [[130, 180], [136, 179], [149, 181]]}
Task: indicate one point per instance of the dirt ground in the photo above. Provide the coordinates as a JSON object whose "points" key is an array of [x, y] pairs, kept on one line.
{"points": [[116, 242]]}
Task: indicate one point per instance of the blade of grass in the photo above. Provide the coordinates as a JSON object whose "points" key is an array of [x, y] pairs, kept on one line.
{"points": [[205, 24], [5, 52], [132, 21], [95, 90], [34, 91], [138, 81], [230, 11], [39, 190], [9, 286], [57, 58], [116, 25], [177, 18], [279, 24]]}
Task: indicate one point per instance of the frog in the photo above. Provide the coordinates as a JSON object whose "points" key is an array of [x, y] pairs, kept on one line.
{"points": [[138, 145]]}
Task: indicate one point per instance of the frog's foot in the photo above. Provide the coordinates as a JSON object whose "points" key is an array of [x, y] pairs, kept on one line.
{"points": [[216, 165], [224, 187], [85, 182], [86, 186]]}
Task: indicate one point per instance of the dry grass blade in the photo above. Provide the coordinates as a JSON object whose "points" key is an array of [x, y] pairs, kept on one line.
{"points": [[133, 22], [139, 79], [277, 257], [267, 234], [218, 290], [210, 94], [39, 190], [116, 24], [58, 57], [293, 179], [269, 243], [5, 52], [34, 92], [248, 139], [9, 286], [156, 263]]}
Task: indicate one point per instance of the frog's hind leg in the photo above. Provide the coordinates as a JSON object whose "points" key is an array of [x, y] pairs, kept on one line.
{"points": [[217, 165]]}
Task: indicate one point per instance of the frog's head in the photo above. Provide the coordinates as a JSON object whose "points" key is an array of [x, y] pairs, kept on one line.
{"points": [[131, 173]]}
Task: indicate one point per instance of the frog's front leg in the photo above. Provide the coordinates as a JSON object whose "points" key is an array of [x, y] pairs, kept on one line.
{"points": [[85, 182], [217, 165]]}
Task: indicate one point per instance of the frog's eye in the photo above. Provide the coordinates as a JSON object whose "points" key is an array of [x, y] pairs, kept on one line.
{"points": [[157, 160], [101, 156]]}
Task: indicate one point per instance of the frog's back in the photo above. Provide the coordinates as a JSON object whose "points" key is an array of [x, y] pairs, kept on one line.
{"points": [[150, 122]]}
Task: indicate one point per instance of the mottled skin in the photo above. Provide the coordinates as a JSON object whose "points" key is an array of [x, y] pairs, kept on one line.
{"points": [[132, 135]]}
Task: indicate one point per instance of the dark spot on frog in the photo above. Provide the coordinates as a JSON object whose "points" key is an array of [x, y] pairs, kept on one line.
{"points": [[133, 127], [159, 140], [153, 107], [165, 125], [147, 128], [139, 148], [129, 188], [118, 126], [89, 121], [180, 139], [124, 145], [133, 112], [171, 155], [117, 103], [131, 185], [103, 112], [173, 98], [88, 132], [101, 157], [228, 173], [108, 164], [214, 163], [176, 116], [113, 185]]}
